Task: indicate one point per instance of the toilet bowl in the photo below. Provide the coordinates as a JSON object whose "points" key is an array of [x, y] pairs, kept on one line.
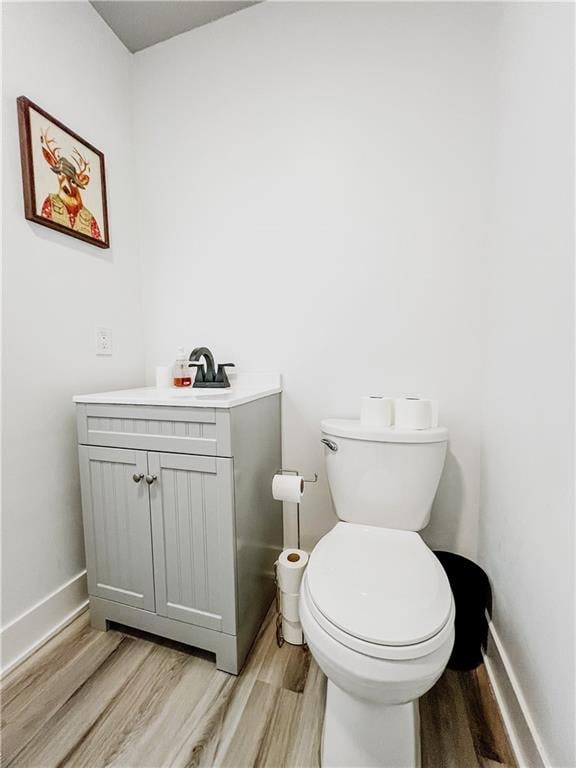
{"points": [[375, 604], [378, 616]]}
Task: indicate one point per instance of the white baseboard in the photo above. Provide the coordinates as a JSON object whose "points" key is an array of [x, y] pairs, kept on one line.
{"points": [[524, 739], [26, 633]]}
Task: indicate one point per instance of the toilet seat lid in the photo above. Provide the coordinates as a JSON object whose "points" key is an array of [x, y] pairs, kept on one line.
{"points": [[380, 585]]}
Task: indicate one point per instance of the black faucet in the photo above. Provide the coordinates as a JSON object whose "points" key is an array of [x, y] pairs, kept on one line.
{"points": [[206, 375]]}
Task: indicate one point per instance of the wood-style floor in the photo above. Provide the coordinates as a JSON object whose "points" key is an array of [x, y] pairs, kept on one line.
{"points": [[89, 698]]}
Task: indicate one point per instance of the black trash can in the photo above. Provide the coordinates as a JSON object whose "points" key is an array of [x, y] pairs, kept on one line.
{"points": [[472, 597]]}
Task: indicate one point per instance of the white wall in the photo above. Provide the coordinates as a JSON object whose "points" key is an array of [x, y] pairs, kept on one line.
{"points": [[366, 197], [312, 198], [56, 291], [527, 509]]}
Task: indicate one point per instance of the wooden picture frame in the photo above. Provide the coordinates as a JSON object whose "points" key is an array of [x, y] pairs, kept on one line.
{"points": [[63, 177]]}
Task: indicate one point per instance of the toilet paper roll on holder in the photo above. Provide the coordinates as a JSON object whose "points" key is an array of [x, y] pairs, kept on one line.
{"points": [[279, 635]]}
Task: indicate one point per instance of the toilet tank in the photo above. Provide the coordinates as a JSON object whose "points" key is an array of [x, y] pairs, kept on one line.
{"points": [[387, 478]]}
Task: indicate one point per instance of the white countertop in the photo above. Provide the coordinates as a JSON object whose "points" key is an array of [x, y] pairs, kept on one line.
{"points": [[243, 389]]}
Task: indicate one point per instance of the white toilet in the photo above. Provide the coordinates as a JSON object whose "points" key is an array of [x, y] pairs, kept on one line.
{"points": [[375, 604]]}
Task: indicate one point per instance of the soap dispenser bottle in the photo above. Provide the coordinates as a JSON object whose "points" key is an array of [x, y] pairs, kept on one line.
{"points": [[182, 377]]}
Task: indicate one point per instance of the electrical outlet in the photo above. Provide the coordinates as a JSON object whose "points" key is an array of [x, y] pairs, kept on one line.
{"points": [[103, 341]]}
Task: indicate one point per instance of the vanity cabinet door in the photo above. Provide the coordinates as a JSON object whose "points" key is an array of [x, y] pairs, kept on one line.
{"points": [[192, 507], [117, 531]]}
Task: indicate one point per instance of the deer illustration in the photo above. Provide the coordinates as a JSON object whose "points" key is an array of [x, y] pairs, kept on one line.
{"points": [[66, 206]]}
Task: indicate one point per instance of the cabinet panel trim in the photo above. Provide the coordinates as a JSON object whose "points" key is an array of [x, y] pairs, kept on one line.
{"points": [[95, 528], [127, 440], [202, 564], [191, 463], [159, 413], [121, 455]]}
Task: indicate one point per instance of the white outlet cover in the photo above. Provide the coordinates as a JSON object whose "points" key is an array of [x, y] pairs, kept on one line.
{"points": [[103, 341]]}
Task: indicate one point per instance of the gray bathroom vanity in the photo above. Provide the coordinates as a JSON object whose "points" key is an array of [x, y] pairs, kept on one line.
{"points": [[180, 526]]}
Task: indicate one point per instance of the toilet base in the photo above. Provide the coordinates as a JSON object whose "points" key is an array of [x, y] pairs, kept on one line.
{"points": [[361, 733]]}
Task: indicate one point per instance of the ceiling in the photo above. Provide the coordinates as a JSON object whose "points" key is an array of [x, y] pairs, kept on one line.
{"points": [[141, 23]]}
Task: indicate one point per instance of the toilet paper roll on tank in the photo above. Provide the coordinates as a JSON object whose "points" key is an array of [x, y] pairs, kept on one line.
{"points": [[376, 411], [380, 412], [415, 413]]}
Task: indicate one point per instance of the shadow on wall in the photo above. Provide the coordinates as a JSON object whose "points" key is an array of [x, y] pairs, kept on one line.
{"points": [[302, 451], [62, 240], [446, 518]]}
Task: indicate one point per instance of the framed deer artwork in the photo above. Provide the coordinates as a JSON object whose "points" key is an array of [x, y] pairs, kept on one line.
{"points": [[63, 177]]}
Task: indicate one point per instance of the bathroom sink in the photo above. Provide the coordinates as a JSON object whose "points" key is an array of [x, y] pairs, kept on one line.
{"points": [[249, 387], [199, 394], [216, 396]]}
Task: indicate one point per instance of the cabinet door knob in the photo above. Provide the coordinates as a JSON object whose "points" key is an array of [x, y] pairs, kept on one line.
{"points": [[137, 477], [151, 479]]}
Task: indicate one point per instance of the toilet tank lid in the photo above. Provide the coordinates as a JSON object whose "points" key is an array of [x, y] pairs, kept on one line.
{"points": [[353, 429]]}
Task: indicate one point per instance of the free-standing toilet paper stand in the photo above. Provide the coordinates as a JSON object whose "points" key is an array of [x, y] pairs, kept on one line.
{"points": [[279, 636]]}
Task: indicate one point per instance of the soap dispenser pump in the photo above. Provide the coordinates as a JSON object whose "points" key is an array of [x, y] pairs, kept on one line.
{"points": [[182, 377]]}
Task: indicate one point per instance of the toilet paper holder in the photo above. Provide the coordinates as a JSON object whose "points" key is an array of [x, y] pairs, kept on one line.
{"points": [[295, 472], [279, 636], [311, 481]]}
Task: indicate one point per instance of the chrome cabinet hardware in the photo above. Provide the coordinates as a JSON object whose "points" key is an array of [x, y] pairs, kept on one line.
{"points": [[330, 444], [137, 477], [151, 479]]}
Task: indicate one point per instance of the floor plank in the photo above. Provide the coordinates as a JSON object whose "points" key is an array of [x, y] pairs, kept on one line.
{"points": [[446, 739], [247, 740], [179, 726], [280, 730], [274, 665], [296, 671], [95, 699], [49, 658], [490, 739], [71, 722], [305, 749], [199, 748], [126, 721], [231, 716], [28, 712]]}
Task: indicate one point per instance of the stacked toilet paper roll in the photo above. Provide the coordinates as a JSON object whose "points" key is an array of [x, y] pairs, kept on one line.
{"points": [[376, 411], [290, 570], [415, 413]]}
